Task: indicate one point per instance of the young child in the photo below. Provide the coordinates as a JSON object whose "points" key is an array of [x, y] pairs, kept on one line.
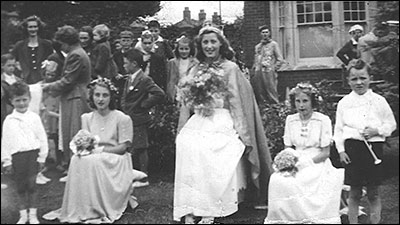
{"points": [[7, 78], [363, 120], [140, 94], [24, 150], [49, 113], [179, 66]]}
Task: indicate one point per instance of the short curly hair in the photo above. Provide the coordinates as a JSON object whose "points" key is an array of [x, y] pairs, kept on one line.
{"points": [[102, 30], [309, 90], [67, 34], [24, 24], [107, 83], [358, 64]]}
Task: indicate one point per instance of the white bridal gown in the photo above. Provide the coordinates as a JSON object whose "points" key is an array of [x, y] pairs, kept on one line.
{"points": [[208, 172]]}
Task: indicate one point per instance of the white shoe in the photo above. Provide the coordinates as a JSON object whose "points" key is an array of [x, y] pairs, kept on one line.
{"points": [[206, 220], [33, 219], [133, 202], [140, 184], [4, 186], [41, 179], [23, 217], [63, 179]]}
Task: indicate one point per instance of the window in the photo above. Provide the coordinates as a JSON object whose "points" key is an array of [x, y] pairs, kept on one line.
{"points": [[316, 37], [311, 32], [354, 11], [313, 12]]}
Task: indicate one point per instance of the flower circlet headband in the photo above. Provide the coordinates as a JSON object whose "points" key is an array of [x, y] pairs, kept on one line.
{"points": [[105, 81]]}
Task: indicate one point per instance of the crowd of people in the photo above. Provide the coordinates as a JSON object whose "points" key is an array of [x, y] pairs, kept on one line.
{"points": [[77, 84]]}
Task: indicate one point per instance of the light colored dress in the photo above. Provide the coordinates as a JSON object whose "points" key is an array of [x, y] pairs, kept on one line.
{"points": [[99, 185], [313, 194], [207, 173]]}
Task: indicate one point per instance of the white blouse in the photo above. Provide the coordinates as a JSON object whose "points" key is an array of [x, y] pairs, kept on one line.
{"points": [[355, 112]]}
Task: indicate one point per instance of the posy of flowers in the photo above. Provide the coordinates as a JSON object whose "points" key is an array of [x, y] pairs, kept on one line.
{"points": [[83, 143], [285, 162], [199, 90]]}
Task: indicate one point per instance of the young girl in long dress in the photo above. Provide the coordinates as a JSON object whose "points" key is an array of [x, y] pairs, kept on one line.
{"points": [[312, 195], [99, 185]]}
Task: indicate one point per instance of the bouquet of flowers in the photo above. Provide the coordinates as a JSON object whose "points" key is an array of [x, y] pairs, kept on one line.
{"points": [[83, 143], [285, 162], [200, 90]]}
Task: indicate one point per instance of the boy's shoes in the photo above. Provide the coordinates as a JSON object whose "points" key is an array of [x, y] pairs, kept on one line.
{"points": [[42, 179], [32, 216], [64, 179], [4, 186], [23, 217], [140, 184]]}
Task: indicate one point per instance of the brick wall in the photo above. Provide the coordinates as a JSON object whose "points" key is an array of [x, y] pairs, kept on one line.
{"points": [[256, 13]]}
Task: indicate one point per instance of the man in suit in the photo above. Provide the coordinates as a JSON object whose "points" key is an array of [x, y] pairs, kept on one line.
{"points": [[140, 94]]}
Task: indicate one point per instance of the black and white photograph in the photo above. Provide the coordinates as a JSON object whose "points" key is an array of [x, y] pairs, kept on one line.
{"points": [[200, 112]]}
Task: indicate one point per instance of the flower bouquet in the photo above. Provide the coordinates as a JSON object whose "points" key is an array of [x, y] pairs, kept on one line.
{"points": [[285, 162], [83, 143], [200, 90]]}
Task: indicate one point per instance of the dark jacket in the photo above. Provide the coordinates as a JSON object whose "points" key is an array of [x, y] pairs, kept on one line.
{"points": [[347, 52], [158, 70], [139, 97], [30, 69], [102, 60]]}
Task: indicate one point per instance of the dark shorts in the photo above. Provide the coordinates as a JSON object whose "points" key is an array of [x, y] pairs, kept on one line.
{"points": [[362, 171], [25, 167], [140, 137]]}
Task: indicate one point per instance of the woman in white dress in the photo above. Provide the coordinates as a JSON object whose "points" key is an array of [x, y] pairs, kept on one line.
{"points": [[209, 171], [312, 195], [99, 185]]}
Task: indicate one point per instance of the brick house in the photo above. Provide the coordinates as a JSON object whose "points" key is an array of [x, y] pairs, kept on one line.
{"points": [[309, 34]]}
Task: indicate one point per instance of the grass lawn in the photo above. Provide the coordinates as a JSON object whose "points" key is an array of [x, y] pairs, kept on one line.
{"points": [[155, 201]]}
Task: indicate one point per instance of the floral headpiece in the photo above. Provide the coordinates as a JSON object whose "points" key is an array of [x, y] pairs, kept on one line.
{"points": [[307, 88], [104, 81]]}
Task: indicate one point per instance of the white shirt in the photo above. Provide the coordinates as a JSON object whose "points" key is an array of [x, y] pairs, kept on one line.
{"points": [[355, 112], [10, 79], [23, 132]]}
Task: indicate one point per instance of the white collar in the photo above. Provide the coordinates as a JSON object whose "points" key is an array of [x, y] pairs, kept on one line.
{"points": [[354, 41], [10, 79]]}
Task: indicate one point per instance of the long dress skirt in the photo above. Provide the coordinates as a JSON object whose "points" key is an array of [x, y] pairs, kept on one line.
{"points": [[311, 196], [97, 190], [208, 153]]}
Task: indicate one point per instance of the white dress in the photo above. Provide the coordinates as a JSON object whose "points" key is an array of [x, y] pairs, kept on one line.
{"points": [[313, 194], [207, 173]]}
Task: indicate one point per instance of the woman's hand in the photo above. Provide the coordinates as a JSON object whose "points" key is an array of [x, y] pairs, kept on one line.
{"points": [[344, 158]]}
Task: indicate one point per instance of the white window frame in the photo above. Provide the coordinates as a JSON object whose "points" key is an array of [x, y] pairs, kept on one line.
{"points": [[291, 45]]}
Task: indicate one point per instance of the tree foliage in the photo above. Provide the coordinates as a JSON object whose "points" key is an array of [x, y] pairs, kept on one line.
{"points": [[115, 14], [387, 10]]}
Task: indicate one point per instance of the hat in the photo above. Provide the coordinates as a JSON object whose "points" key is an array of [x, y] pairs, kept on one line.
{"points": [[126, 34], [356, 27]]}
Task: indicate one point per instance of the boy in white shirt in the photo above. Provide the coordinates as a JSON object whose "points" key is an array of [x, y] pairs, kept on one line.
{"points": [[24, 150], [363, 120]]}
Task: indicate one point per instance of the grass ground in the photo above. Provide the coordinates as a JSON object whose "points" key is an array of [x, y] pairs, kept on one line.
{"points": [[156, 200]]}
